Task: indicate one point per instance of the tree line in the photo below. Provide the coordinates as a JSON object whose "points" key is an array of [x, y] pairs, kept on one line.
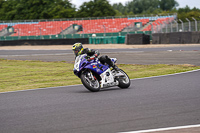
{"points": [[53, 9]]}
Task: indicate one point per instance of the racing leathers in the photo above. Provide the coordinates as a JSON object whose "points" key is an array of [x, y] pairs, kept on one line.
{"points": [[91, 54]]}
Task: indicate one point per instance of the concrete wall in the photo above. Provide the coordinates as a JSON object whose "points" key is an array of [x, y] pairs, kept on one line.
{"points": [[45, 42], [176, 38]]}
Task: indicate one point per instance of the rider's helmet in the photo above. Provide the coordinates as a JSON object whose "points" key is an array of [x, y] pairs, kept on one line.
{"points": [[77, 48]]}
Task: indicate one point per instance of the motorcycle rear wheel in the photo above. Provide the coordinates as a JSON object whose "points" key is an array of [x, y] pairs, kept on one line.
{"points": [[91, 83]]}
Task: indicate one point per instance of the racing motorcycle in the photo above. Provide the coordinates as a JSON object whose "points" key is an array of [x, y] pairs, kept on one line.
{"points": [[95, 76]]}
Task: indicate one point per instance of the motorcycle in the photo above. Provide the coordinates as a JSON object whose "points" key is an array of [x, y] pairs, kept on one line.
{"points": [[95, 76]]}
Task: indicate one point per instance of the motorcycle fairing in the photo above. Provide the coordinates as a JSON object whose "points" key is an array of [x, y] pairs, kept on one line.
{"points": [[94, 65], [107, 79], [114, 60]]}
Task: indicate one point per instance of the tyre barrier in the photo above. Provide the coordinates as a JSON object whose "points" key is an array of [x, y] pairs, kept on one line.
{"points": [[137, 39]]}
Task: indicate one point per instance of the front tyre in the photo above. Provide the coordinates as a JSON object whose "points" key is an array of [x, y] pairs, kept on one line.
{"points": [[90, 81], [124, 81]]}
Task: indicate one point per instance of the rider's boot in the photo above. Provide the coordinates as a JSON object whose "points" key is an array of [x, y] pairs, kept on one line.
{"points": [[112, 64], [105, 59], [115, 67]]}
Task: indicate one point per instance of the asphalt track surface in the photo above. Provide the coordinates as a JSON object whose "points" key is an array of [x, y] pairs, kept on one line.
{"points": [[149, 103], [170, 55]]}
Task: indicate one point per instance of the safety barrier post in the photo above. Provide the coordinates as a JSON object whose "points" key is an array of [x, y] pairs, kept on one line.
{"points": [[104, 30], [152, 28], [161, 27], [127, 28], [171, 28], [61, 31], [182, 24], [156, 27], [176, 25], [40, 33], [189, 24], [166, 26], [195, 23]]}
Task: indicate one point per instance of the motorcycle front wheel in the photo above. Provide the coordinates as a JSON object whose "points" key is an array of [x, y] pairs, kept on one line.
{"points": [[90, 81], [124, 81]]}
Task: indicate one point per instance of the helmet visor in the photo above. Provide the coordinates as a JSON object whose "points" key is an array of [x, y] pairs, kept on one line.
{"points": [[76, 52]]}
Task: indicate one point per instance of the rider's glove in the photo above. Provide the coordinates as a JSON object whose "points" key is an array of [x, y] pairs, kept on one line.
{"points": [[96, 55], [91, 58]]}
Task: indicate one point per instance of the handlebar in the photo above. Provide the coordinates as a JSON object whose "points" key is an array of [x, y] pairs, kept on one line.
{"points": [[92, 57]]}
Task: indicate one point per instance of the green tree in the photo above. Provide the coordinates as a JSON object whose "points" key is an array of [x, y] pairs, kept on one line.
{"points": [[118, 13], [62, 9], [146, 6], [120, 7], [168, 5], [137, 6], [96, 8], [36, 9], [186, 12]]}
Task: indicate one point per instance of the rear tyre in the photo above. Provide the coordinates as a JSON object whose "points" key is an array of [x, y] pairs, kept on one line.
{"points": [[90, 82], [124, 81]]}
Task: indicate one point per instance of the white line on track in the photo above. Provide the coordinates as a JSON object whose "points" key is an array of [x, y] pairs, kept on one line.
{"points": [[163, 129], [81, 84], [167, 75]]}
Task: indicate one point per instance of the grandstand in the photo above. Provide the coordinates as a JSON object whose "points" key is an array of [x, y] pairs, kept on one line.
{"points": [[159, 21], [3, 26], [90, 26]]}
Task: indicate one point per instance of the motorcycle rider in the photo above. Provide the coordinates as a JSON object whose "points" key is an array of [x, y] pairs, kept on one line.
{"points": [[91, 54]]}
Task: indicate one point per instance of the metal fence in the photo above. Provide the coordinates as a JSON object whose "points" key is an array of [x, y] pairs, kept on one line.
{"points": [[176, 26]]}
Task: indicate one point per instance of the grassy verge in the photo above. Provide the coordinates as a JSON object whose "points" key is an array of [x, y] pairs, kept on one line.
{"points": [[22, 75]]}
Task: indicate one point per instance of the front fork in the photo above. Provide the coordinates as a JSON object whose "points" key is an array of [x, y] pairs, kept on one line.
{"points": [[90, 75]]}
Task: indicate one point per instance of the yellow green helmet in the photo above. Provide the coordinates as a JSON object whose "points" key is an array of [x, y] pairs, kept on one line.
{"points": [[77, 48]]}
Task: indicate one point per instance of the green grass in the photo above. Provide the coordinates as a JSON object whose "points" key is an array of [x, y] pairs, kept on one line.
{"points": [[22, 75]]}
